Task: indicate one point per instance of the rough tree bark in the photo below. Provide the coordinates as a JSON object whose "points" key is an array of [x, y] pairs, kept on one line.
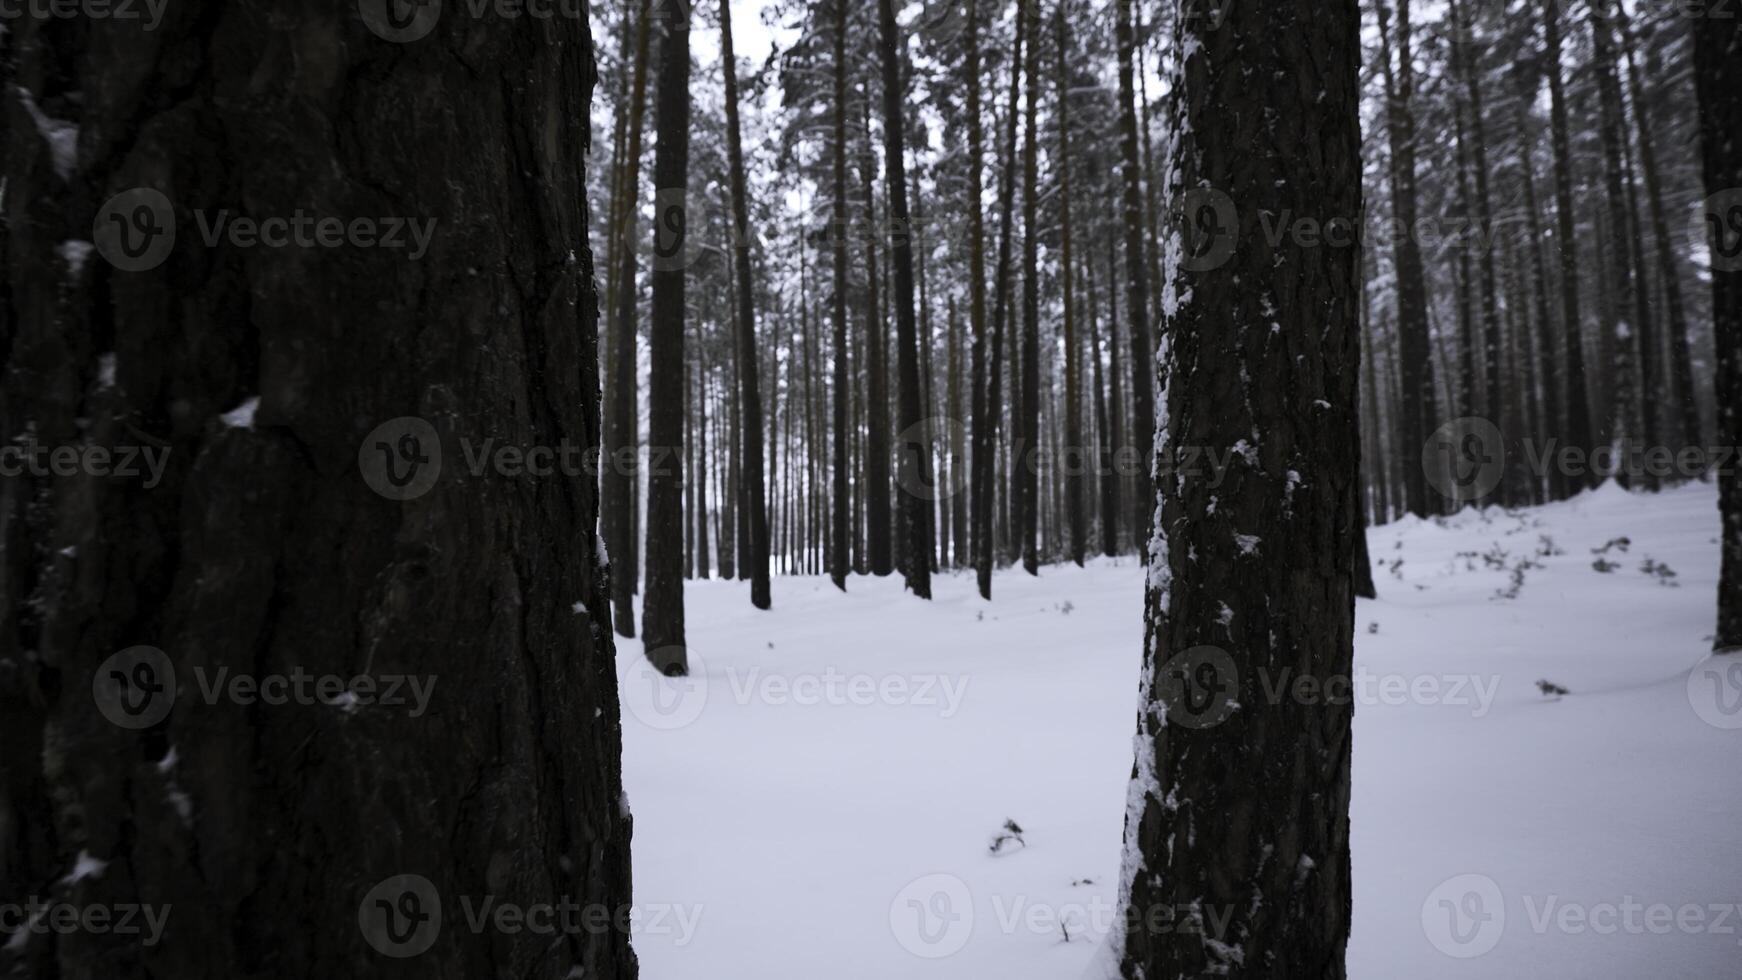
{"points": [[267, 376], [1025, 452], [1238, 807], [1718, 80], [1074, 455]]}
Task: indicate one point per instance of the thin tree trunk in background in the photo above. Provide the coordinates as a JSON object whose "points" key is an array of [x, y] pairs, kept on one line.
{"points": [[1074, 453], [1580, 433], [1025, 451], [1239, 802], [980, 553], [1675, 307], [264, 550], [1116, 375], [841, 513], [1493, 397], [1417, 404], [662, 609], [1105, 471], [1137, 286], [914, 505], [1618, 313], [1001, 293], [620, 483], [1718, 80], [749, 395], [879, 531]]}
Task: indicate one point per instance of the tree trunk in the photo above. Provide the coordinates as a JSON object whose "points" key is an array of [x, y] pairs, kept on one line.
{"points": [[749, 385], [1579, 431], [662, 609], [1025, 452], [841, 514], [879, 530], [303, 401], [915, 509], [1618, 314], [1718, 79], [1417, 408], [1073, 456], [619, 483], [1137, 282], [1238, 812]]}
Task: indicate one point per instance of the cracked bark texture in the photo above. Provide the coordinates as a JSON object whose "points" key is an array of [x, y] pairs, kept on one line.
{"points": [[264, 550], [1237, 827]]}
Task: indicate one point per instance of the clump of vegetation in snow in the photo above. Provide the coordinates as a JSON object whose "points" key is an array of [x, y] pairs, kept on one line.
{"points": [[1007, 839]]}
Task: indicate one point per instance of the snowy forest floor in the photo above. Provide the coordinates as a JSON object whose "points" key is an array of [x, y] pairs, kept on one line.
{"points": [[819, 799]]}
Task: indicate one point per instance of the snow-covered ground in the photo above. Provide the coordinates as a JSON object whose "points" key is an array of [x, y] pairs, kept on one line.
{"points": [[818, 801]]}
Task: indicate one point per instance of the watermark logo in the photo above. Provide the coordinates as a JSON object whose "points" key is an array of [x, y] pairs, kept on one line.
{"points": [[674, 15], [402, 916], [1464, 916], [1199, 687], [671, 230], [1715, 691], [1209, 229], [400, 21], [1718, 225], [135, 229], [118, 11], [933, 917], [109, 462], [401, 459], [659, 701], [930, 441], [1465, 459], [38, 917], [942, 21], [135, 689]]}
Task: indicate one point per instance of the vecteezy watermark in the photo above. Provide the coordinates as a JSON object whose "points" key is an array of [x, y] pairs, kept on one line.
{"points": [[1465, 916], [402, 459], [404, 21], [933, 916], [150, 12], [1201, 687], [1717, 225], [41, 917], [31, 458], [136, 230], [401, 917], [137, 687], [1465, 459], [668, 703], [1715, 691]]}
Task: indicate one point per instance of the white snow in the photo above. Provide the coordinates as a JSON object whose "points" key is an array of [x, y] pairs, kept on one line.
{"points": [[62, 137], [84, 867], [74, 252], [242, 416], [816, 833]]}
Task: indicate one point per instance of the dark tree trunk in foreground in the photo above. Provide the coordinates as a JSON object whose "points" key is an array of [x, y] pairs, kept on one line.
{"points": [[1137, 283], [913, 501], [749, 385], [662, 611], [268, 832], [879, 526], [1718, 78], [841, 514], [1239, 802]]}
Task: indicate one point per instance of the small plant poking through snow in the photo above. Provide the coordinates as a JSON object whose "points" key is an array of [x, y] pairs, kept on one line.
{"points": [[1007, 839], [1551, 690], [1066, 608], [1373, 629], [1546, 548], [1664, 574]]}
